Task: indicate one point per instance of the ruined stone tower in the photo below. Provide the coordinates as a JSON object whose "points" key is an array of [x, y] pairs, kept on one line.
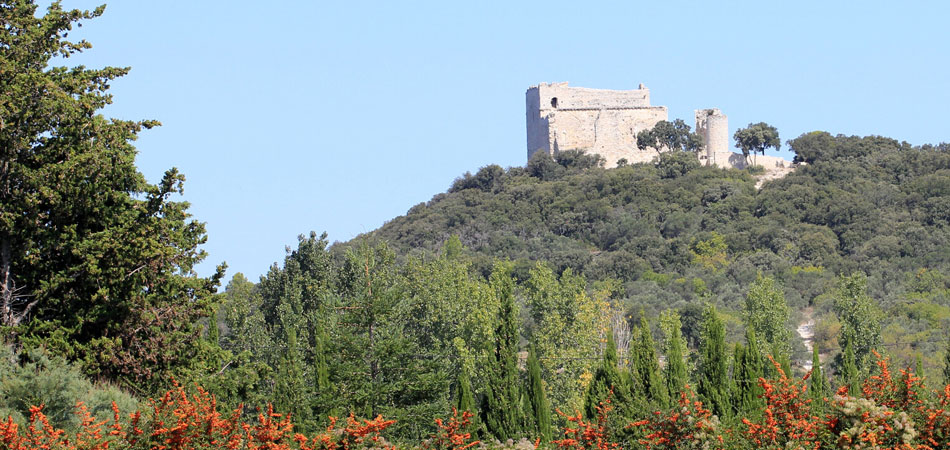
{"points": [[713, 126], [601, 121], [606, 122]]}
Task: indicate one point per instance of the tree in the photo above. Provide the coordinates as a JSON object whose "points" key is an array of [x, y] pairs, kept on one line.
{"points": [[946, 364], [818, 384], [756, 138], [748, 367], [647, 365], [290, 390], [674, 347], [713, 363], [766, 312], [540, 410], [464, 400], [670, 136], [95, 263], [607, 382], [502, 397], [848, 374], [859, 315]]}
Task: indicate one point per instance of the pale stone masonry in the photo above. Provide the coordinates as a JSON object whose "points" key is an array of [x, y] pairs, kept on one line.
{"points": [[606, 122], [601, 121]]}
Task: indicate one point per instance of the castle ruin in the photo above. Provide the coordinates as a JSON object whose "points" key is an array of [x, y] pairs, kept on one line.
{"points": [[606, 122]]}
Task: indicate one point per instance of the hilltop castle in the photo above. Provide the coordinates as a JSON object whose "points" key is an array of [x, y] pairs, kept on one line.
{"points": [[606, 122]]}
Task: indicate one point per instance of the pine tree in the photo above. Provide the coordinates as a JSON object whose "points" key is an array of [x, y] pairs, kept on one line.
{"points": [[848, 376], [502, 394], [675, 350], [818, 385], [648, 365], [713, 363], [540, 410]]}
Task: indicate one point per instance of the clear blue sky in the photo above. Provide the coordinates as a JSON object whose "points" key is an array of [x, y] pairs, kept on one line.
{"points": [[311, 115]]}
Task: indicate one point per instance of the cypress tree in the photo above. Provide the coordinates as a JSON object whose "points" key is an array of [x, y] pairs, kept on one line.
{"points": [[289, 389], [607, 377], [713, 368], [946, 364], [648, 365], [464, 400], [848, 376], [213, 333], [818, 385], [502, 411], [321, 370], [675, 349], [747, 369], [539, 409]]}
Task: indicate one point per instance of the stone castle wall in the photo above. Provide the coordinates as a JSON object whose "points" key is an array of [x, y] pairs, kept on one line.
{"points": [[606, 122], [601, 121]]}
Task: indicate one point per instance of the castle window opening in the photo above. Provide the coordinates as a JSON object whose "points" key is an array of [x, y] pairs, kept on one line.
{"points": [[554, 102]]}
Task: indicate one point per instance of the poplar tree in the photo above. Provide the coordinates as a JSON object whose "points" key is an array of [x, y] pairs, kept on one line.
{"points": [[766, 312], [713, 363], [502, 394], [860, 317], [540, 410], [674, 348]]}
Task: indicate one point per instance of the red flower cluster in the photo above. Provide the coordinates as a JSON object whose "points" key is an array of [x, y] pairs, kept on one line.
{"points": [[453, 434], [587, 435], [180, 421], [688, 426]]}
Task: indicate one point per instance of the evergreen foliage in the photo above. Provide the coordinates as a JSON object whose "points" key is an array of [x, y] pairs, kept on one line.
{"points": [[946, 363], [748, 367], [96, 264], [818, 385], [646, 363], [540, 410], [713, 364], [848, 373], [502, 408], [674, 347]]}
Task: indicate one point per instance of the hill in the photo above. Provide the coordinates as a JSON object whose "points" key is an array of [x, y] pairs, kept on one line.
{"points": [[675, 234]]}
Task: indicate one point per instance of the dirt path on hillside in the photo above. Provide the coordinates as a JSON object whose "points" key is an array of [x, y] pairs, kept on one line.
{"points": [[806, 330]]}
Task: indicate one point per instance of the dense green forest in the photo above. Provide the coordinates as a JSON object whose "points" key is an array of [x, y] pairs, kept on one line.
{"points": [[518, 293]]}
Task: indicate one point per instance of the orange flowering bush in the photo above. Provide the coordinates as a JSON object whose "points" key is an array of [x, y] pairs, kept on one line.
{"points": [[452, 434], [688, 426], [787, 420], [587, 435], [179, 421]]}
